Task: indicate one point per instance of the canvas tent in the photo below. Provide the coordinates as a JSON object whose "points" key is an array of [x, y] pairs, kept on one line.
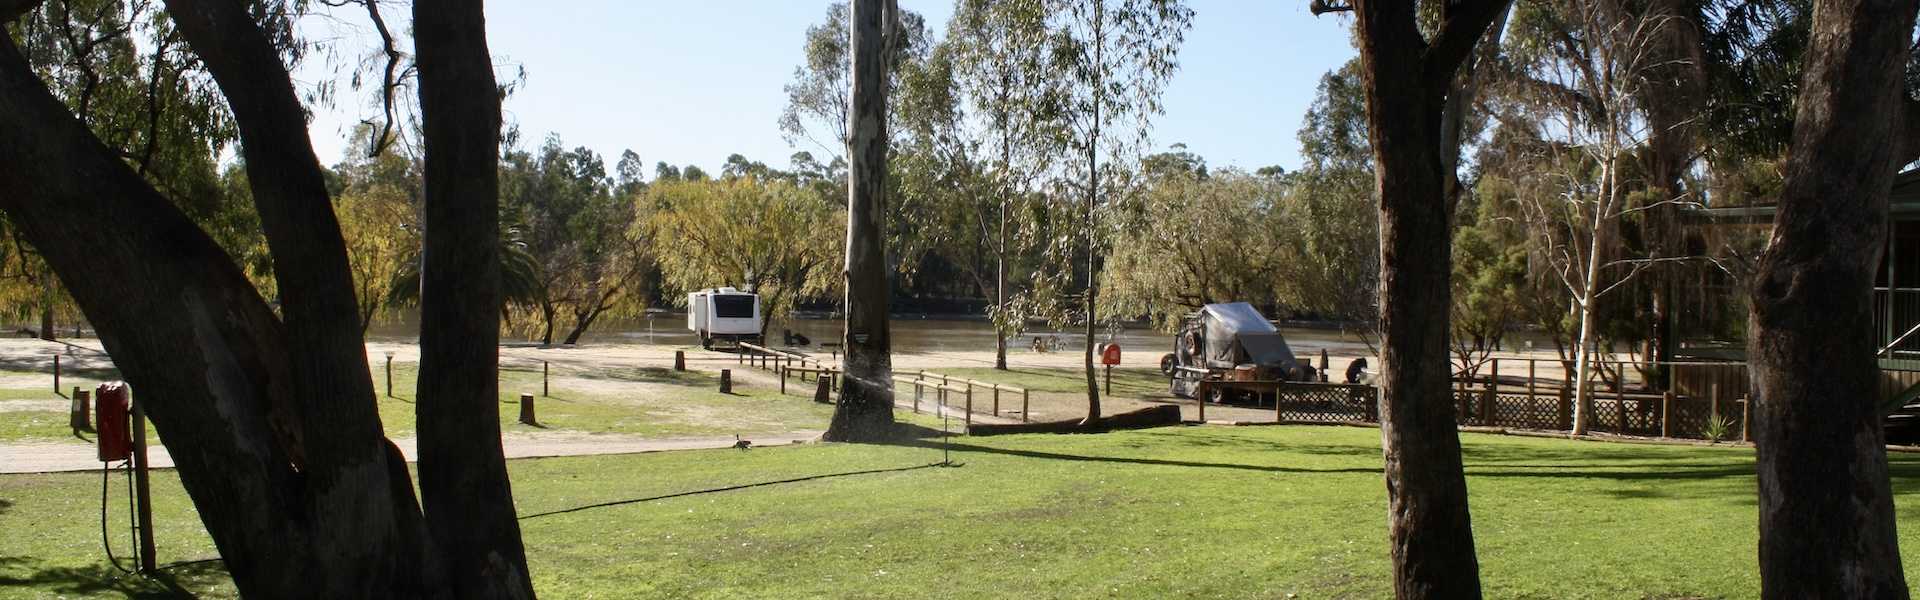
{"points": [[1228, 335]]}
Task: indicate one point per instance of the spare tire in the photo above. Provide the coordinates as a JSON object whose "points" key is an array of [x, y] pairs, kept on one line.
{"points": [[1167, 364]]}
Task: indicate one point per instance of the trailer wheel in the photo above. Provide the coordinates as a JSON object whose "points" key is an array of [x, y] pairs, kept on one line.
{"points": [[706, 341], [1217, 395], [1166, 364]]}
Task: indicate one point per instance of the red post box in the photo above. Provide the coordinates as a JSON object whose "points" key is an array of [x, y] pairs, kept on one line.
{"points": [[111, 410], [1110, 355]]}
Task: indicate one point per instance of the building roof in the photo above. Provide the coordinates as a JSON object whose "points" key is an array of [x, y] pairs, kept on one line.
{"points": [[1903, 204]]}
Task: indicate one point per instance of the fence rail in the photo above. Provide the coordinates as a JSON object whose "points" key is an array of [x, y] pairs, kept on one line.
{"points": [[1687, 411]]}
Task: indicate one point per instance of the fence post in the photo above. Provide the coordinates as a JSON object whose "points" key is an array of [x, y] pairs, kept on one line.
{"points": [[1487, 400], [544, 389], [1564, 408], [783, 380], [1023, 405], [1620, 399], [1713, 395], [726, 381], [969, 405], [1200, 398], [56, 373], [996, 399], [1666, 403], [916, 396], [1324, 367], [526, 409], [1746, 411]]}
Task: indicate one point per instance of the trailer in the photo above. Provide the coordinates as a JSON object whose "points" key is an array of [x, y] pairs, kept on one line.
{"points": [[725, 314], [1226, 344]]}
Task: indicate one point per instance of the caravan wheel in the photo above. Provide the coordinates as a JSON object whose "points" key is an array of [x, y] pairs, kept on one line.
{"points": [[1166, 364]]}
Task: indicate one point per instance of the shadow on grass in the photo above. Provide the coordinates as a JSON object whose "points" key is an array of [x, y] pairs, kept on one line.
{"points": [[170, 581], [964, 447], [44, 364], [729, 488], [641, 375]]}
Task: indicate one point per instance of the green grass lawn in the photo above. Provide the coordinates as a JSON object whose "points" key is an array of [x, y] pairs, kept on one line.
{"points": [[1248, 512], [663, 403]]}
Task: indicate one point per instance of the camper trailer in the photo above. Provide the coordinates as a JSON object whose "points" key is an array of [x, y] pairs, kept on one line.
{"points": [[724, 314], [1225, 344]]}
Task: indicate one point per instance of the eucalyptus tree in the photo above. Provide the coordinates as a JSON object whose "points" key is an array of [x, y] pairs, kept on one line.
{"points": [[1116, 57], [1002, 69], [1826, 509], [1584, 69], [270, 415], [865, 408], [818, 107], [1407, 75]]}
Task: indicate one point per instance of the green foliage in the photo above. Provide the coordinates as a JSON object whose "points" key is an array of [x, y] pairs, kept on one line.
{"points": [[770, 237], [1717, 427], [817, 109], [580, 233], [1333, 196], [1187, 241]]}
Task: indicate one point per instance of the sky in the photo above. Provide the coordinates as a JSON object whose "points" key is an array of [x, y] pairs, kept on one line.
{"points": [[692, 82]]}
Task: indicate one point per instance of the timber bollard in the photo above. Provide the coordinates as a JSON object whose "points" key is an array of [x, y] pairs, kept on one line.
{"points": [[1666, 404], [526, 409], [1324, 365], [726, 381], [679, 360], [78, 418], [822, 391], [1109, 380], [783, 380], [543, 381], [996, 400], [56, 373]]}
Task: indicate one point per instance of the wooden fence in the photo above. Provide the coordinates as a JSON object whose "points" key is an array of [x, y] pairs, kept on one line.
{"points": [[1547, 404]]}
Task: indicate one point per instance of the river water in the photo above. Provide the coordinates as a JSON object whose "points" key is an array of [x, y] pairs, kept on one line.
{"points": [[909, 335]]}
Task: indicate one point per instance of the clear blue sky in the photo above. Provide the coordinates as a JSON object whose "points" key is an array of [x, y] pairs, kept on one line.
{"points": [[691, 82]]}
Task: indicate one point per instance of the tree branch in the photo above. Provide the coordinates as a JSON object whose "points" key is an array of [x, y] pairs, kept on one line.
{"points": [[1462, 24]]}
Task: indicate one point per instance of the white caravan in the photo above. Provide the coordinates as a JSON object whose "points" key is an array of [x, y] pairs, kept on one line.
{"points": [[724, 314]]}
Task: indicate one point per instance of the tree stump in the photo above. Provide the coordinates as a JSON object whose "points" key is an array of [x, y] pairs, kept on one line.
{"points": [[526, 410], [79, 418], [823, 390]]}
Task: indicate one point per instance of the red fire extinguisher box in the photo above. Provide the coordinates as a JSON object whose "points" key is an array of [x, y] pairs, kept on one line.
{"points": [[112, 403]]}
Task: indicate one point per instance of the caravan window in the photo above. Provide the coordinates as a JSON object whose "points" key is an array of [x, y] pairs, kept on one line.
{"points": [[733, 306]]}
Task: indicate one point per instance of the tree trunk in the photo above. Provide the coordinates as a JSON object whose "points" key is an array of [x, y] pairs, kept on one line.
{"points": [[547, 313], [865, 410], [295, 486], [46, 308], [1093, 196], [463, 472], [1826, 509], [339, 434], [1406, 80], [581, 323]]}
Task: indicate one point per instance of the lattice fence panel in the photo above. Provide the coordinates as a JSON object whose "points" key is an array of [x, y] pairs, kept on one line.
{"points": [[1324, 402]]}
